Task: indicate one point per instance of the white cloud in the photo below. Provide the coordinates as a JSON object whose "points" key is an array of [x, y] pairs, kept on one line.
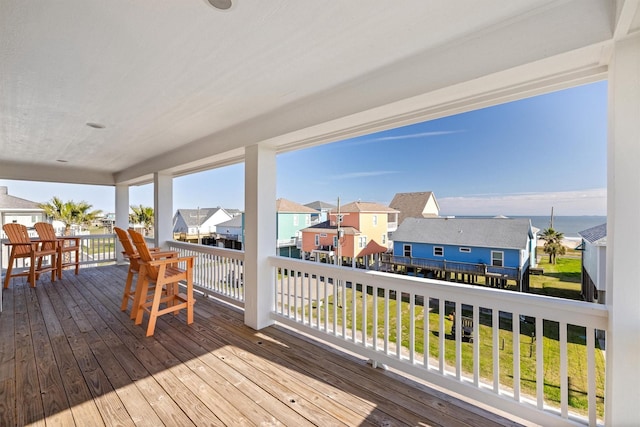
{"points": [[583, 202], [362, 174], [417, 135], [400, 137]]}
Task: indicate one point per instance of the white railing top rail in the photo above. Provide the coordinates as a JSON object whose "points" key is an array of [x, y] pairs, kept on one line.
{"points": [[213, 250], [550, 308]]}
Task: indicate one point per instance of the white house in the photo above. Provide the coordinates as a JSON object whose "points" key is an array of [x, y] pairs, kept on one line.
{"points": [[202, 221], [594, 263], [15, 209]]}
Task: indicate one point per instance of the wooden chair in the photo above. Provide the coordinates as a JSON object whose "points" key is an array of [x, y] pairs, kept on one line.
{"points": [[132, 256], [166, 274], [23, 247], [67, 247]]}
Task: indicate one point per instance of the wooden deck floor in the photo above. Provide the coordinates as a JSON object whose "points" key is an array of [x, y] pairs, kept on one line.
{"points": [[68, 356]]}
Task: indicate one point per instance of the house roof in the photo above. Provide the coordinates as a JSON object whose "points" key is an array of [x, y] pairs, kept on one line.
{"points": [[508, 233], [320, 206], [236, 221], [287, 206], [372, 248], [366, 207], [11, 203], [326, 226], [411, 205], [196, 217], [233, 212], [595, 235]]}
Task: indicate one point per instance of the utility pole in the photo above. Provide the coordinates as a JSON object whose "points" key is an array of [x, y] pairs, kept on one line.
{"points": [[338, 231], [198, 223]]}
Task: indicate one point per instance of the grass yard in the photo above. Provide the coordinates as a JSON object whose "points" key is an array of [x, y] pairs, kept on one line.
{"points": [[561, 280]]}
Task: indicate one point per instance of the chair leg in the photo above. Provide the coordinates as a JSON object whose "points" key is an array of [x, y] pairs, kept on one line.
{"points": [[59, 263], [55, 271], [7, 277], [142, 288], [127, 293], [77, 252], [190, 301], [155, 307], [32, 271]]}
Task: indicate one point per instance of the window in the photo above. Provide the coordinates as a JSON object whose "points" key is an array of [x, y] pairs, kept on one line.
{"points": [[438, 251], [307, 220], [465, 250], [375, 220], [317, 240], [295, 220], [497, 258], [362, 241], [406, 249]]}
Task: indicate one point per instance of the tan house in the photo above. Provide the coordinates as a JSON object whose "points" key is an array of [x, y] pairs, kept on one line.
{"points": [[415, 205]]}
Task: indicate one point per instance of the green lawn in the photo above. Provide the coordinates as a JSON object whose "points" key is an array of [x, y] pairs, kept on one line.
{"points": [[561, 280]]}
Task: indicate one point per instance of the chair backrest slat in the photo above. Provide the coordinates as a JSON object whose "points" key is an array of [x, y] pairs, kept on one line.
{"points": [[17, 233], [143, 252], [46, 232]]}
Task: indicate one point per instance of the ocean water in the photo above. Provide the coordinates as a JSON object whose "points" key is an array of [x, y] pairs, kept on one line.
{"points": [[569, 225]]}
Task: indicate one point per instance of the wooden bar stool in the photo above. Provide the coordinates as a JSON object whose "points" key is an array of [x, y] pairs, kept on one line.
{"points": [[132, 256], [67, 247], [23, 247], [166, 274]]}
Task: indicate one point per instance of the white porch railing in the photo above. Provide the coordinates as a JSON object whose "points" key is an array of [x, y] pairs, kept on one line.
{"points": [[217, 271], [95, 249], [553, 377]]}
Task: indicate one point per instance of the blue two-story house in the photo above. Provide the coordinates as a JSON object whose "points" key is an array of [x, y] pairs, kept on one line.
{"points": [[461, 249]]}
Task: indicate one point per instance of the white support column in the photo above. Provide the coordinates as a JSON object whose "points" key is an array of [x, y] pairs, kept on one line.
{"points": [[623, 236], [122, 216], [163, 208], [260, 234]]}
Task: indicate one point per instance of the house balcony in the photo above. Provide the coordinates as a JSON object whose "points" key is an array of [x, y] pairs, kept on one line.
{"points": [[71, 357], [67, 350], [545, 367]]}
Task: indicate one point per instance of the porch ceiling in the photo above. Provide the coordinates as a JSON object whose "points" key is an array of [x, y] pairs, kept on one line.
{"points": [[180, 86]]}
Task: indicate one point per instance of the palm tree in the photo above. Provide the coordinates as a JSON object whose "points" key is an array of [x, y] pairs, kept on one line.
{"points": [[70, 213], [142, 215], [553, 243]]}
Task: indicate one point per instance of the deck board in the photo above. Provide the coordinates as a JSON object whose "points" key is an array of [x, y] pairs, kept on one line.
{"points": [[69, 356]]}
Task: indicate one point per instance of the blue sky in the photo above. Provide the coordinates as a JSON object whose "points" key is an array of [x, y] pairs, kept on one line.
{"points": [[519, 158]]}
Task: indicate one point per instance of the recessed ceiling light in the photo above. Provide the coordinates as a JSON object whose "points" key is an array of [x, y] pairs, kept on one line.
{"points": [[62, 161], [95, 125], [220, 4]]}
